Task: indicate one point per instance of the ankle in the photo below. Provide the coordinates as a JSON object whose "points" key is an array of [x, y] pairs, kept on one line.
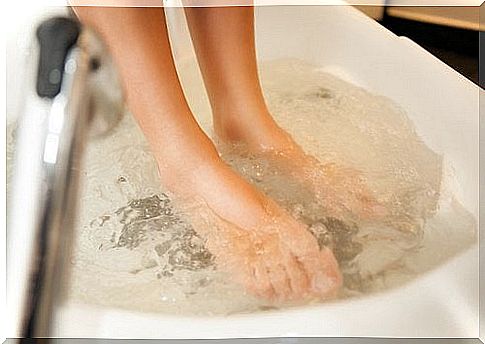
{"points": [[229, 128], [256, 129], [180, 167]]}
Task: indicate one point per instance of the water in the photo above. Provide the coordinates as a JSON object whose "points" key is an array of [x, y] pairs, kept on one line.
{"points": [[137, 249]]}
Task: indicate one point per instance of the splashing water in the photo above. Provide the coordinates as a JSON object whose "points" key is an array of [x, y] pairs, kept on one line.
{"points": [[136, 247]]}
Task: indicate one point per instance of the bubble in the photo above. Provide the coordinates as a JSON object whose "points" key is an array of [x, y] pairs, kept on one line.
{"points": [[136, 248]]}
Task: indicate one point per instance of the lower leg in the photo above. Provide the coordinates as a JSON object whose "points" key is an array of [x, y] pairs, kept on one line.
{"points": [[138, 41], [224, 42]]}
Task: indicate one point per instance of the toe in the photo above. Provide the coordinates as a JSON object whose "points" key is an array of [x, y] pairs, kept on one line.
{"points": [[298, 277], [280, 282], [261, 283]]}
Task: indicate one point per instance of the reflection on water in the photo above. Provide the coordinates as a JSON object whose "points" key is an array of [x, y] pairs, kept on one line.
{"points": [[176, 244], [136, 249]]}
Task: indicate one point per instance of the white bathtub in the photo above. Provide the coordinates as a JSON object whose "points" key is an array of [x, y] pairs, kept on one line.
{"points": [[445, 109]]}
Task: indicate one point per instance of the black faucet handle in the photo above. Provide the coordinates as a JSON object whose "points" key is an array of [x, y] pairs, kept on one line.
{"points": [[56, 37]]}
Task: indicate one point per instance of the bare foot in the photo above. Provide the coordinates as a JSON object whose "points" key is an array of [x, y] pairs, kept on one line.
{"points": [[253, 239], [340, 190]]}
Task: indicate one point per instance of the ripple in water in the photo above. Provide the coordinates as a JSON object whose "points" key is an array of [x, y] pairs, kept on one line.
{"points": [[136, 249]]}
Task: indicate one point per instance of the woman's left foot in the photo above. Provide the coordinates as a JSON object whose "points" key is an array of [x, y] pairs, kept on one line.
{"points": [[340, 190]]}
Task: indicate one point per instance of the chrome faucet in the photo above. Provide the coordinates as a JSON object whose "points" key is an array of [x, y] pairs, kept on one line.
{"points": [[76, 92]]}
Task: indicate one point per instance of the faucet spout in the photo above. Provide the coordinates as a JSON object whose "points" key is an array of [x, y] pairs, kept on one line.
{"points": [[72, 64]]}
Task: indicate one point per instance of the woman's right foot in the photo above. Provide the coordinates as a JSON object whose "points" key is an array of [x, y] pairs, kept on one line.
{"points": [[252, 238]]}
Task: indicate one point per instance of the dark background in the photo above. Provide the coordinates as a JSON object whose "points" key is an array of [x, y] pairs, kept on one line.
{"points": [[459, 48]]}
